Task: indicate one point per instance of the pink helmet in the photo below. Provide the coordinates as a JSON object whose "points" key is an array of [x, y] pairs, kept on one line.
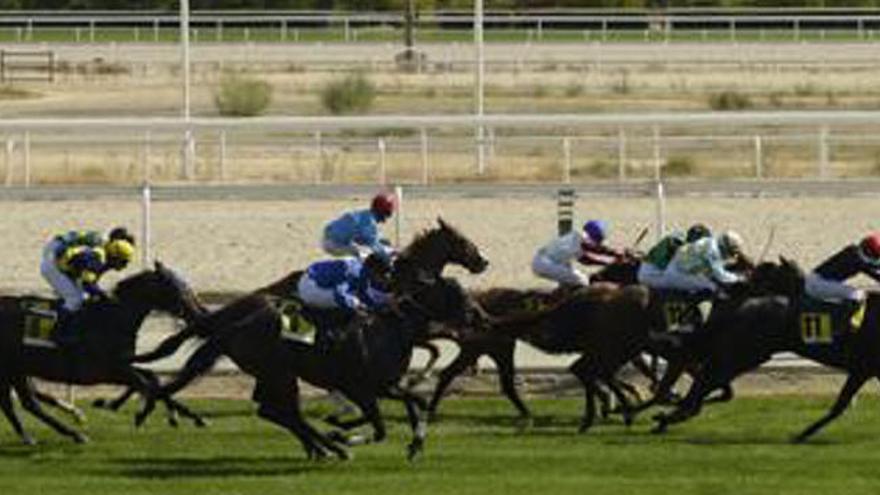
{"points": [[871, 246]]}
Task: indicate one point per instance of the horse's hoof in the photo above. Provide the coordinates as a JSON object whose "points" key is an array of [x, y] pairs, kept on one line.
{"points": [[80, 417], [99, 404], [661, 427], [139, 420], [338, 437], [585, 425], [414, 449], [80, 438], [799, 439], [628, 420], [28, 440], [344, 455], [200, 423], [524, 424], [333, 420]]}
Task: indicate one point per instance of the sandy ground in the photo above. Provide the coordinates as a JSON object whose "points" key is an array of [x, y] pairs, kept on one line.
{"points": [[238, 246]]}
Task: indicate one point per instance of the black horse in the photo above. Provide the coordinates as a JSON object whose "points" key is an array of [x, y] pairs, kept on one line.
{"points": [[108, 332], [424, 258], [787, 321], [366, 364]]}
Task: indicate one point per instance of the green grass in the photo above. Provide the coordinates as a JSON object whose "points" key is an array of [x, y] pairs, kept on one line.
{"points": [[473, 448], [313, 35]]}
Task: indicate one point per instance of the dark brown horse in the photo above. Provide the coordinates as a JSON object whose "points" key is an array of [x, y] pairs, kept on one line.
{"points": [[108, 329], [605, 324], [366, 364], [783, 322]]}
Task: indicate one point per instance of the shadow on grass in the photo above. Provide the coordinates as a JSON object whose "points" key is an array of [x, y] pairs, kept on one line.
{"points": [[223, 466]]}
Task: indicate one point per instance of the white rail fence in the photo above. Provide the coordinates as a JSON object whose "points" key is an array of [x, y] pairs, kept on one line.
{"points": [[440, 148], [287, 26]]}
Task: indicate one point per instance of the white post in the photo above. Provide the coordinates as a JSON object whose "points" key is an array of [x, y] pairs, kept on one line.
{"points": [[71, 394], [156, 30], [283, 30], [382, 172], [137, 34], [30, 29], [661, 210], [218, 34], [146, 227], [189, 154], [146, 159], [184, 56], [10, 148], [426, 165], [657, 160], [92, 31], [222, 155], [759, 158], [27, 159], [621, 154], [346, 28], [478, 84], [566, 153], [77, 33], [823, 151], [398, 219]]}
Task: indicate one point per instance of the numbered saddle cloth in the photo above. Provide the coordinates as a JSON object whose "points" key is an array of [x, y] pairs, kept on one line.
{"points": [[821, 322], [682, 311], [40, 317]]}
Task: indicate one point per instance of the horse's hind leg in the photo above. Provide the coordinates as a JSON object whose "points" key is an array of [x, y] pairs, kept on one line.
{"points": [[9, 410], [580, 369], [853, 383], [115, 404], [64, 406], [29, 402], [467, 356], [415, 408], [506, 375]]}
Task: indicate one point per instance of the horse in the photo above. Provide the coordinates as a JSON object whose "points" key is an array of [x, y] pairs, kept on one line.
{"points": [[424, 258], [365, 364], [108, 329], [605, 324], [782, 321]]}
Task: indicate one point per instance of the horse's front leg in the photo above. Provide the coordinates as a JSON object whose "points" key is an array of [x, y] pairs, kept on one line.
{"points": [[415, 412]]}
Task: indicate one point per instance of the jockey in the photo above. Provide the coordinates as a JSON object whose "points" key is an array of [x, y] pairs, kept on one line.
{"points": [[653, 267], [358, 230], [827, 281], [349, 284], [700, 266], [73, 263], [553, 261]]}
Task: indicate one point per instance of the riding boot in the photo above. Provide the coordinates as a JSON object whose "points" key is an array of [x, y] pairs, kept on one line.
{"points": [[65, 334]]}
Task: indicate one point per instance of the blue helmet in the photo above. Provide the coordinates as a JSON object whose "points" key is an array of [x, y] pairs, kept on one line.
{"points": [[596, 230]]}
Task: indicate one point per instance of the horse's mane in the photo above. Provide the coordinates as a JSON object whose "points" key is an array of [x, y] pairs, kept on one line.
{"points": [[128, 282]]}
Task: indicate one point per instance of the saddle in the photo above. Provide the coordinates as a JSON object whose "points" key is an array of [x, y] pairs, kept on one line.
{"points": [[40, 317], [821, 322], [682, 311]]}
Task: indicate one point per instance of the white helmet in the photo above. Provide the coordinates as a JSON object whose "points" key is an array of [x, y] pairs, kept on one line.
{"points": [[730, 243]]}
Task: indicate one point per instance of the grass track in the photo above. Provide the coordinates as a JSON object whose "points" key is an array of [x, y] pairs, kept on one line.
{"points": [[473, 449]]}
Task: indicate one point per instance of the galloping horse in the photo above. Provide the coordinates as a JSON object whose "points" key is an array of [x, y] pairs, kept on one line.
{"points": [[787, 321], [108, 329]]}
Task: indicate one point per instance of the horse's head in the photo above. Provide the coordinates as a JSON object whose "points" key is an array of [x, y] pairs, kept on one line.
{"points": [[460, 249], [161, 289], [785, 278], [623, 272], [444, 300]]}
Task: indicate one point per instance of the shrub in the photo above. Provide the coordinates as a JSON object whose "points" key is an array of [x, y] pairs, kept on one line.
{"points": [[242, 96], [352, 94], [729, 100], [680, 165]]}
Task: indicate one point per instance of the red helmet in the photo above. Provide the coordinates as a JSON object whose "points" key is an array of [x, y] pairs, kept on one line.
{"points": [[384, 204], [871, 246]]}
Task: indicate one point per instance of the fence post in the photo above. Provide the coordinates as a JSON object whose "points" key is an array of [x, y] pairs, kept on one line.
{"points": [[540, 29], [382, 170], [30, 29], [218, 33], [146, 158], [621, 154], [222, 156], [146, 225], [660, 194], [92, 31], [27, 159], [10, 148], [823, 151], [77, 34], [759, 158], [732, 30], [797, 29], [137, 34], [346, 30], [156, 30], [189, 154], [657, 162], [283, 30], [398, 219], [564, 210], [247, 34], [566, 154], [426, 164]]}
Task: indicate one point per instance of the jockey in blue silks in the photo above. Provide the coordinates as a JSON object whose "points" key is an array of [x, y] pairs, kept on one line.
{"points": [[356, 233]]}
